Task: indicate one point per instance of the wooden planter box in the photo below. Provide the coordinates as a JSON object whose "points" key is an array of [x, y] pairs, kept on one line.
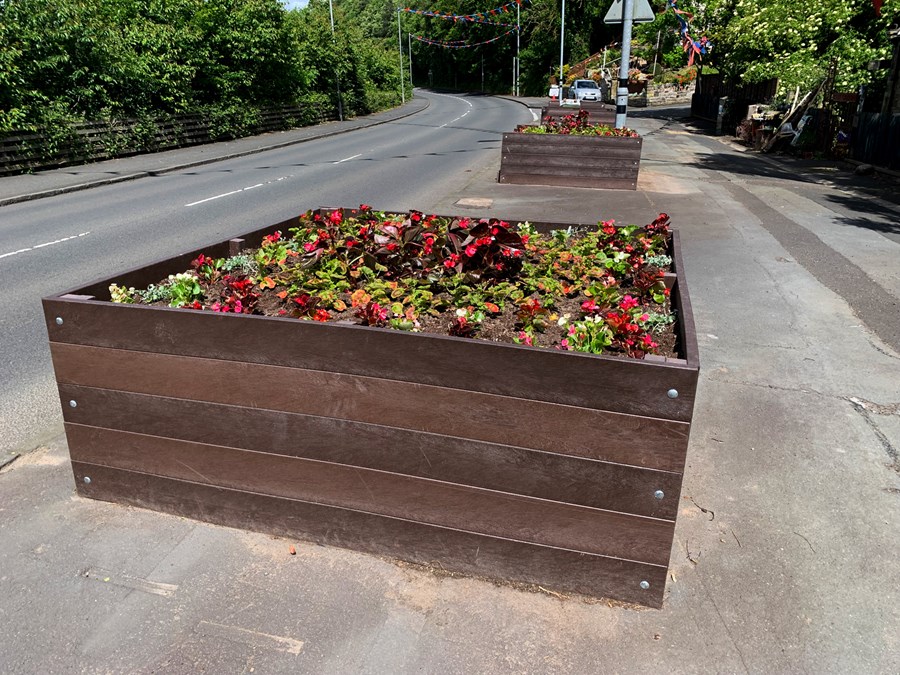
{"points": [[510, 462], [570, 161]]}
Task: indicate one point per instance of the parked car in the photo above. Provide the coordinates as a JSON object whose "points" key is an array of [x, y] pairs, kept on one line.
{"points": [[585, 90]]}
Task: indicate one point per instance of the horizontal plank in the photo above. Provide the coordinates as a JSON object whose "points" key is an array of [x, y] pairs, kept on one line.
{"points": [[567, 181], [548, 152], [478, 416], [569, 143], [494, 466], [420, 500], [602, 167], [455, 550], [610, 383]]}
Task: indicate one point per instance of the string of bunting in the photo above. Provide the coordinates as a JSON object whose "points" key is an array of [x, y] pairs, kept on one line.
{"points": [[459, 44], [697, 48], [478, 17]]}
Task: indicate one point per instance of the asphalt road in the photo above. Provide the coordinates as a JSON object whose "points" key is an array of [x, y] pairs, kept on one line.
{"points": [[61, 242]]}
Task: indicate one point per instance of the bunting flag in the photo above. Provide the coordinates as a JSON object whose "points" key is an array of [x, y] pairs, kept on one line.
{"points": [[478, 17], [697, 48], [459, 44]]}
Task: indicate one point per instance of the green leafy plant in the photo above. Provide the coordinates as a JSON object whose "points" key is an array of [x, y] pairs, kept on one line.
{"points": [[184, 289], [581, 289]]}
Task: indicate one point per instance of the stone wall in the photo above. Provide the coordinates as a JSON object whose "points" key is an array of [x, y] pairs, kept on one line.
{"points": [[669, 94]]}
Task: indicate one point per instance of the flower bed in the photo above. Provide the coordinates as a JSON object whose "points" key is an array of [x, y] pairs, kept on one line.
{"points": [[571, 152], [591, 290], [538, 465]]}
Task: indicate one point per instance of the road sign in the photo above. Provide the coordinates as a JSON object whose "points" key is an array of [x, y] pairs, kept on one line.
{"points": [[642, 12]]}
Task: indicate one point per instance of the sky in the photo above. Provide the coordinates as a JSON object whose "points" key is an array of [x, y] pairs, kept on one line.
{"points": [[295, 4]]}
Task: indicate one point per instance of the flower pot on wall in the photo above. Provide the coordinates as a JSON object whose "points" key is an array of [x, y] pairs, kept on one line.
{"points": [[532, 465]]}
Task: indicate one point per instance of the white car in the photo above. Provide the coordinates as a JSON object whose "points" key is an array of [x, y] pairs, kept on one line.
{"points": [[585, 90]]}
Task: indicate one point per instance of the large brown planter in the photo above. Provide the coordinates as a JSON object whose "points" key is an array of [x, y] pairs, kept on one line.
{"points": [[531, 465], [570, 161]]}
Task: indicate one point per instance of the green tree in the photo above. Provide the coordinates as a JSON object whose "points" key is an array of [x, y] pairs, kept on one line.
{"points": [[796, 42]]}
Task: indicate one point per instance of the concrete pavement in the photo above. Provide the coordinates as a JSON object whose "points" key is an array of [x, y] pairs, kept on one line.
{"points": [[785, 558]]}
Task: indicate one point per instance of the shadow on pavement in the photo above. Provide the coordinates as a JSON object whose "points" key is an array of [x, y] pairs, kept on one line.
{"points": [[867, 214], [748, 165]]}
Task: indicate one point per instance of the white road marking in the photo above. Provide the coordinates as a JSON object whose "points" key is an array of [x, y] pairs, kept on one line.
{"points": [[234, 192], [347, 159], [534, 115], [49, 243], [458, 98]]}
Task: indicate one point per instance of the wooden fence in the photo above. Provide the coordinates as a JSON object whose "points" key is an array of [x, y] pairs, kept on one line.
{"points": [[96, 141]]}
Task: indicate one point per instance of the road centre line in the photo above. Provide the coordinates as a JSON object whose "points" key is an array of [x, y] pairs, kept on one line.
{"points": [[49, 243], [347, 159], [234, 192]]}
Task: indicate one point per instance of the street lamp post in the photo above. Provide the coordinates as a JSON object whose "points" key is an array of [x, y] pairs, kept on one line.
{"points": [[400, 49], [562, 42], [337, 77]]}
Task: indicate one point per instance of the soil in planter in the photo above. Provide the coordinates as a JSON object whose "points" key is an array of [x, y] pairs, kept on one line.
{"points": [[597, 291]]}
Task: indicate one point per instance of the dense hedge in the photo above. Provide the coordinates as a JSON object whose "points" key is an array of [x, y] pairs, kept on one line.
{"points": [[66, 61]]}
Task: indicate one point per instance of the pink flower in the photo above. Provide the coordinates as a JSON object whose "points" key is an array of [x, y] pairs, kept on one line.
{"points": [[564, 343], [648, 342], [628, 302], [238, 307], [471, 250], [336, 217], [309, 247], [525, 338], [590, 306], [644, 317]]}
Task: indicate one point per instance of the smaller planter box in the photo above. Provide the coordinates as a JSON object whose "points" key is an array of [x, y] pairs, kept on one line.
{"points": [[570, 161], [601, 113], [532, 465]]}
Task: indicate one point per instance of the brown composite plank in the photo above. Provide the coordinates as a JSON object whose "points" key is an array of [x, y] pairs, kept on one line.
{"points": [[534, 154], [567, 181], [420, 500], [600, 169], [610, 383], [486, 417], [596, 164], [686, 328], [493, 466], [571, 144], [451, 549]]}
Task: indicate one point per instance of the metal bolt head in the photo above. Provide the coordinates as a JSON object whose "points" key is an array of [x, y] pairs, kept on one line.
{"points": [[87, 480], [645, 585], [73, 403], [59, 321], [659, 494], [672, 393]]}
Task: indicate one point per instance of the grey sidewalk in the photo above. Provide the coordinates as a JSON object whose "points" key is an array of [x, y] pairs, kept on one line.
{"points": [[786, 550]]}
